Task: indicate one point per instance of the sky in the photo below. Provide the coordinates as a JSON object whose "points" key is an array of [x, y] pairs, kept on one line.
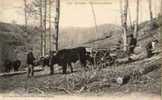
{"points": [[78, 13]]}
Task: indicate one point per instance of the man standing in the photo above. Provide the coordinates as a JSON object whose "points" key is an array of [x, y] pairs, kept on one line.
{"points": [[30, 63], [132, 44], [51, 55], [150, 47]]}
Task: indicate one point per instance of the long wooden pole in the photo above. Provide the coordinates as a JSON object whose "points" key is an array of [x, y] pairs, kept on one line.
{"points": [[18, 73]]}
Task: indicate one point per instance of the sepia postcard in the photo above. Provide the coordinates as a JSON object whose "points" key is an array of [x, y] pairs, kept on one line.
{"points": [[80, 49]]}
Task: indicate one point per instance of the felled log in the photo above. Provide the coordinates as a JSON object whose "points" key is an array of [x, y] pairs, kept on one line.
{"points": [[122, 80], [97, 86], [38, 90], [63, 89], [139, 71], [18, 72]]}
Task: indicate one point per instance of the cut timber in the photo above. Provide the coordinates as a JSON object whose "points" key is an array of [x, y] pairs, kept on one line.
{"points": [[18, 72], [150, 65], [63, 89], [123, 80]]}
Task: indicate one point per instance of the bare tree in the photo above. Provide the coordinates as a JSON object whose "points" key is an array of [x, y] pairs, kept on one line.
{"points": [[41, 26], [150, 9], [50, 41], [43, 9], [94, 18], [45, 26], [57, 23], [41, 4], [121, 11], [124, 23], [25, 14], [137, 20], [161, 8]]}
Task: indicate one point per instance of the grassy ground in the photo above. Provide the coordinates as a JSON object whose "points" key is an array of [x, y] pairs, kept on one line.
{"points": [[92, 82]]}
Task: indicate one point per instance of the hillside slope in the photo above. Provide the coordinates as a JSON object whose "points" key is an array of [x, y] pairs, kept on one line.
{"points": [[147, 32], [68, 37]]}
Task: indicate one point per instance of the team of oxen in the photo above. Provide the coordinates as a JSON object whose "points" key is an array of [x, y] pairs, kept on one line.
{"points": [[64, 58], [12, 65]]}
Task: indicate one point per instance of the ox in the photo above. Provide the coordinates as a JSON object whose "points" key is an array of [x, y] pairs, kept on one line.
{"points": [[9, 65], [66, 57]]}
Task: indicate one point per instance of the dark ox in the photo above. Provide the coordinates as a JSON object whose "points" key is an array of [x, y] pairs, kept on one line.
{"points": [[16, 65], [66, 57], [12, 65]]}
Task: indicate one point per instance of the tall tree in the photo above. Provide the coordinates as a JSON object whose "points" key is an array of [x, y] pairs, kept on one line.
{"points": [[124, 23], [50, 41], [45, 26], [137, 19], [121, 11], [41, 27], [25, 14], [94, 18], [40, 8], [161, 8], [57, 18], [150, 9]]}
